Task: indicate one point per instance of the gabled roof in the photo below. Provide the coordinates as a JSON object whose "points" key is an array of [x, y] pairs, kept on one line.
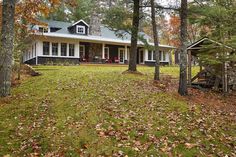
{"points": [[79, 22], [206, 39], [197, 42], [107, 35]]}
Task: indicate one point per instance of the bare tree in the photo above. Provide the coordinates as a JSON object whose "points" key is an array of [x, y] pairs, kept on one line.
{"points": [[183, 49], [134, 37], [156, 42], [6, 52]]}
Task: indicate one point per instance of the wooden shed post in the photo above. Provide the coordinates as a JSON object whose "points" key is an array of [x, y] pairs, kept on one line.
{"points": [[225, 78], [189, 68]]}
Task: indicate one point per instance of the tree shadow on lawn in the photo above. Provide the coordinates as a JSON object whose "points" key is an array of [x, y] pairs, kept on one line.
{"points": [[132, 72], [46, 69], [210, 99]]}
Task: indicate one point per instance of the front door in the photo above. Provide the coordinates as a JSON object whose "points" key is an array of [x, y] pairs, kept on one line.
{"points": [[141, 56], [121, 55]]}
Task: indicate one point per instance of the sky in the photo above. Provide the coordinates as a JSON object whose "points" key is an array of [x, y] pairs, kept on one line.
{"points": [[168, 2]]}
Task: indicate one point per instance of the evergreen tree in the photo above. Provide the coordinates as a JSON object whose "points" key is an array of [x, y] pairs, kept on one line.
{"points": [[219, 17], [156, 42], [6, 51], [183, 49], [134, 37]]}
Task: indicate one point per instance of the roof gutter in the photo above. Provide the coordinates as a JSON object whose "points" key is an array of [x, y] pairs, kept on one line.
{"points": [[96, 39]]}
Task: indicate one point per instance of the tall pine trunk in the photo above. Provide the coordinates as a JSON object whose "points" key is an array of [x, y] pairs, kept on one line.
{"points": [[134, 37], [6, 52], [156, 42], [183, 49]]}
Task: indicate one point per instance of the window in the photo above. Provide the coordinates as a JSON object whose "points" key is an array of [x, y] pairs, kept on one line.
{"points": [[107, 52], [160, 55], [164, 56], [35, 46], [80, 29], [63, 49], [153, 55], [32, 51], [55, 49], [82, 51], [149, 55], [71, 50], [46, 47], [43, 29]]}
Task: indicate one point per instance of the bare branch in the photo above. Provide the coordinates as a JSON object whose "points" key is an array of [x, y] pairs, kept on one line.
{"points": [[161, 7]]}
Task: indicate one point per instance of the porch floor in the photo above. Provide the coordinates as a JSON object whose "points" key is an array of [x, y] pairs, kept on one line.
{"points": [[106, 64]]}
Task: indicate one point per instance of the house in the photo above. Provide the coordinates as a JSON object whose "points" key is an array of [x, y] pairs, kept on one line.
{"points": [[72, 42]]}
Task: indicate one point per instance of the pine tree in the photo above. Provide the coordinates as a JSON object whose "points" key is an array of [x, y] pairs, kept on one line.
{"points": [[6, 52], [183, 49], [156, 42], [134, 37]]}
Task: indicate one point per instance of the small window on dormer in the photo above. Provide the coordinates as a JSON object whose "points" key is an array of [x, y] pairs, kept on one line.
{"points": [[43, 29], [81, 29]]}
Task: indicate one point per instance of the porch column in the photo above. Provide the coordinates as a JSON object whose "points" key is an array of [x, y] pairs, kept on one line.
{"points": [[145, 54], [126, 52], [78, 49], [103, 50], [59, 49], [67, 49]]}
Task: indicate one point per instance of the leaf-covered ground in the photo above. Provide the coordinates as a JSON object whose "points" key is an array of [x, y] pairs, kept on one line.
{"points": [[98, 111]]}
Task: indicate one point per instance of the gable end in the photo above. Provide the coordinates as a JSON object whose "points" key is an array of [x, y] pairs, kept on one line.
{"points": [[80, 28]]}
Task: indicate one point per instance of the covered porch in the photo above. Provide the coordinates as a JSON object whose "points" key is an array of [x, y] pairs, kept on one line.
{"points": [[103, 53], [108, 53]]}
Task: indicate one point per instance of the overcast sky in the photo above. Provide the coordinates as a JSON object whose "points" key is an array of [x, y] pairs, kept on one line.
{"points": [[168, 2]]}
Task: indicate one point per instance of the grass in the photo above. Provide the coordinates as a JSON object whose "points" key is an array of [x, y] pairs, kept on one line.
{"points": [[97, 110]]}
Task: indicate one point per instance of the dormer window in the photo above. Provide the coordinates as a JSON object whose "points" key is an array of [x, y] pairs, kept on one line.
{"points": [[43, 29], [80, 29]]}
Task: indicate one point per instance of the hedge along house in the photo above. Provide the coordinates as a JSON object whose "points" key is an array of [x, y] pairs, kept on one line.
{"points": [[72, 43]]}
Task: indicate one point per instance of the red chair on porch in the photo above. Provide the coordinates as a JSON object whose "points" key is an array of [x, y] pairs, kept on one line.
{"points": [[108, 60], [116, 60]]}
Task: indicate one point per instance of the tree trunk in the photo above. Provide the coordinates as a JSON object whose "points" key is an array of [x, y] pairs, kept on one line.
{"points": [[134, 38], [142, 17], [95, 29], [183, 49], [6, 53], [156, 42]]}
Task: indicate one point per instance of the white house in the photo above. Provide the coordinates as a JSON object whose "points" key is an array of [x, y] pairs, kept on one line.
{"points": [[71, 42]]}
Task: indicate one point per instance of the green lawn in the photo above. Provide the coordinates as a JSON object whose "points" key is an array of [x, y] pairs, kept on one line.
{"points": [[96, 110]]}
